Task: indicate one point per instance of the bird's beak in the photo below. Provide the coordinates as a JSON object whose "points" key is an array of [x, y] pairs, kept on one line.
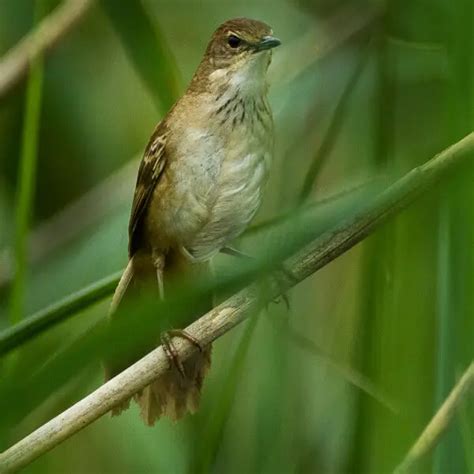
{"points": [[268, 42]]}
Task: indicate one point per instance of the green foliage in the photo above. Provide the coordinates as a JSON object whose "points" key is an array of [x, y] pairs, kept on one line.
{"points": [[213, 431], [55, 313], [147, 49], [394, 317], [26, 181]]}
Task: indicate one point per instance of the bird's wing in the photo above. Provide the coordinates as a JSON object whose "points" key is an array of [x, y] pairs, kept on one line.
{"points": [[149, 173]]}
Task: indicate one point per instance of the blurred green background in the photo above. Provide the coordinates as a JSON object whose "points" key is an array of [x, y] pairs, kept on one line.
{"points": [[359, 90]]}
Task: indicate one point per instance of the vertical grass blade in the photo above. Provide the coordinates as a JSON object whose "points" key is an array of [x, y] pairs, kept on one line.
{"points": [[456, 250], [26, 178], [467, 435], [446, 327], [212, 435], [147, 49], [335, 125]]}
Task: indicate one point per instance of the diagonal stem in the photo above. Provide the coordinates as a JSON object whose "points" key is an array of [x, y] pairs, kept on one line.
{"points": [[14, 65], [440, 422]]}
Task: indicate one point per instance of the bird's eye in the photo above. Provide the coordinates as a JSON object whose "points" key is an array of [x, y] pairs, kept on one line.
{"points": [[234, 41]]}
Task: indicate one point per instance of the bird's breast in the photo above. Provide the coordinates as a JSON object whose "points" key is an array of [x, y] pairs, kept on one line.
{"points": [[220, 174]]}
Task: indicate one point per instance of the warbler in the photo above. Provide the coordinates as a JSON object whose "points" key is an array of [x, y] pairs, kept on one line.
{"points": [[199, 184]]}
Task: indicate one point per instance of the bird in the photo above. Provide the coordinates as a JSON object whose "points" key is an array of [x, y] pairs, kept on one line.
{"points": [[200, 182]]}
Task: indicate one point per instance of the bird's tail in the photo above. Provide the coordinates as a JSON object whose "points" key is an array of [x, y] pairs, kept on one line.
{"points": [[172, 394]]}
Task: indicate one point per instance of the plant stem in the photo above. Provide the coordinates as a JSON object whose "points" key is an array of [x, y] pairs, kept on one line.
{"points": [[42, 320], [26, 178], [212, 436], [15, 63]]}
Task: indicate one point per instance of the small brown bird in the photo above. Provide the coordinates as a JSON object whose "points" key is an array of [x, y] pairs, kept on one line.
{"points": [[199, 185]]}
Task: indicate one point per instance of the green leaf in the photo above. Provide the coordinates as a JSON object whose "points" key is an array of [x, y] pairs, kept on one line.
{"points": [[147, 49], [55, 313], [27, 177], [212, 433]]}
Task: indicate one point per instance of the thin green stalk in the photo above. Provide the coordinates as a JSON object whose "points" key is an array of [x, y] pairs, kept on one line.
{"points": [[351, 376], [212, 436], [147, 50], [467, 435], [337, 119], [377, 262], [26, 179], [456, 252], [446, 327], [57, 312], [437, 428]]}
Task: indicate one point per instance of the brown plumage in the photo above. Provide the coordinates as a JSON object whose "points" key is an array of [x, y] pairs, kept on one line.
{"points": [[199, 184]]}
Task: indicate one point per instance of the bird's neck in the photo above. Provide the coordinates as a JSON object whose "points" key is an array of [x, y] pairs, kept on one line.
{"points": [[232, 97], [247, 77]]}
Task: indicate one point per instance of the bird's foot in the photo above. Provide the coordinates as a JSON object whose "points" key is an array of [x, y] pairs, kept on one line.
{"points": [[170, 349], [281, 275]]}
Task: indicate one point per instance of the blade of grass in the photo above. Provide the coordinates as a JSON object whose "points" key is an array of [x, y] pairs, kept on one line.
{"points": [[214, 430], [15, 63], [39, 322], [377, 259], [76, 218], [456, 250], [350, 375], [375, 185], [440, 422], [335, 125], [446, 327], [301, 54], [147, 49], [26, 177], [467, 435]]}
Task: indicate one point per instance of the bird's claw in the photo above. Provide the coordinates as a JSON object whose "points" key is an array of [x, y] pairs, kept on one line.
{"points": [[170, 349], [281, 276]]}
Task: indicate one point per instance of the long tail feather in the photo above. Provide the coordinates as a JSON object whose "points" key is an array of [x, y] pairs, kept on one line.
{"points": [[171, 395]]}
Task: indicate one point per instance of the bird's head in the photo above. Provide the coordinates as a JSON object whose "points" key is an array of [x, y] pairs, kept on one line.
{"points": [[240, 41], [239, 51]]}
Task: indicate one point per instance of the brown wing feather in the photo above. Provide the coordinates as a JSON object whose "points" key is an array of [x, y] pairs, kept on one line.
{"points": [[149, 173]]}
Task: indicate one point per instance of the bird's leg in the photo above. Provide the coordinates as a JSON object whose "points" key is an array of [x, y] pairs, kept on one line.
{"points": [[280, 275], [166, 337], [159, 264], [281, 269], [235, 253]]}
